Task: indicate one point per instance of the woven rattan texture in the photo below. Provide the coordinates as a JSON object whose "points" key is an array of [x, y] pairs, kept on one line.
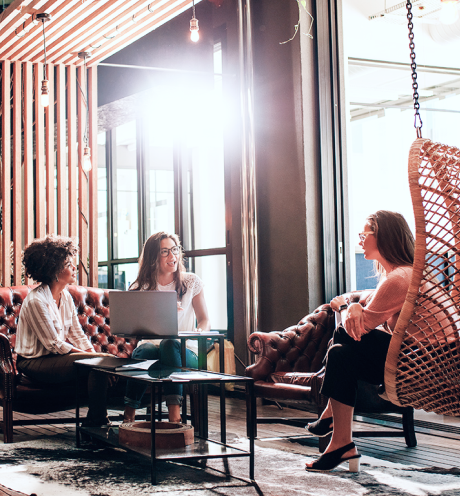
{"points": [[423, 363]]}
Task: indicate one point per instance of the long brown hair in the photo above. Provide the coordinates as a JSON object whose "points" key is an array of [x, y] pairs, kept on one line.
{"points": [[147, 277], [395, 241]]}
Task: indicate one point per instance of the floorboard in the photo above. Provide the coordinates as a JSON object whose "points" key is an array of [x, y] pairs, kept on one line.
{"points": [[431, 451]]}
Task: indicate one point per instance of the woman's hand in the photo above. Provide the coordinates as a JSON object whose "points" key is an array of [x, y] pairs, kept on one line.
{"points": [[354, 321], [337, 302]]}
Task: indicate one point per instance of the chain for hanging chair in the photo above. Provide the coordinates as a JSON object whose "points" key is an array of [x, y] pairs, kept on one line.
{"points": [[417, 120]]}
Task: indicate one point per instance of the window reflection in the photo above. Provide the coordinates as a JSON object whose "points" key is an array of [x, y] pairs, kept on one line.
{"points": [[125, 204]]}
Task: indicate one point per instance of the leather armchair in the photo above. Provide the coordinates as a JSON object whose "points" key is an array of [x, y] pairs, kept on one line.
{"points": [[288, 369], [17, 392]]}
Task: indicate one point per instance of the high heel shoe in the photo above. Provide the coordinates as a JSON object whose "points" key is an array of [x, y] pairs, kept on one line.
{"points": [[321, 427], [330, 460]]}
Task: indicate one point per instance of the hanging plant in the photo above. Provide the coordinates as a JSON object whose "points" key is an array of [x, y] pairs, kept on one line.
{"points": [[302, 4]]}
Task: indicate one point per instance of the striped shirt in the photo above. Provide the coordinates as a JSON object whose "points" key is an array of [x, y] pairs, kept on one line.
{"points": [[45, 329]]}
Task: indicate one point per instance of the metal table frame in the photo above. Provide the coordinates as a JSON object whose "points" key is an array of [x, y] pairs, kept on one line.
{"points": [[202, 448]]}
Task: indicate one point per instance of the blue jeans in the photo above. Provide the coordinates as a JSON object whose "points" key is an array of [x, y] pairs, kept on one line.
{"points": [[168, 353]]}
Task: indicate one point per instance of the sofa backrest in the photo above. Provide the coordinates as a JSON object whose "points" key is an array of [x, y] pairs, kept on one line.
{"points": [[93, 312]]}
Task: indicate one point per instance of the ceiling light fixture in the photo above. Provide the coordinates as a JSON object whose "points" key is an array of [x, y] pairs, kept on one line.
{"points": [[86, 164], [45, 94], [449, 11], [194, 34]]}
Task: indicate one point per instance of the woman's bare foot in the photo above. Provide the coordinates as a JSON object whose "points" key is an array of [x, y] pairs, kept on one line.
{"points": [[174, 413], [129, 415]]}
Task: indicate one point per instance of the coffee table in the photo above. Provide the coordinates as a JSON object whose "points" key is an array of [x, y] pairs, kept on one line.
{"points": [[203, 448]]}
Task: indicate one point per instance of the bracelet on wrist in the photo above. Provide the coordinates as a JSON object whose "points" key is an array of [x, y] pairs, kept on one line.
{"points": [[343, 307]]}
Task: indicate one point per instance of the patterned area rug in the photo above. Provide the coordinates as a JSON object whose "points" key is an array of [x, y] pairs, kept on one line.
{"points": [[54, 466]]}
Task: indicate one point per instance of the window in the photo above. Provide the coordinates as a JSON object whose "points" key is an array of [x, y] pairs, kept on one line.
{"points": [[381, 117], [164, 171]]}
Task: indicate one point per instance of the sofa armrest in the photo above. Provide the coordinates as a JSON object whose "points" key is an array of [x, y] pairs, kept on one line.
{"points": [[299, 348], [7, 370]]}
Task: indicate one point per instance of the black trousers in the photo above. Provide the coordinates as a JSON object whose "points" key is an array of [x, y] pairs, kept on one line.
{"points": [[348, 361]]}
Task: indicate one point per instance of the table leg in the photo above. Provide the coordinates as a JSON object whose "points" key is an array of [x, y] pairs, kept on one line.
{"points": [[221, 355], [251, 419], [77, 411], [203, 409], [223, 415], [152, 437]]}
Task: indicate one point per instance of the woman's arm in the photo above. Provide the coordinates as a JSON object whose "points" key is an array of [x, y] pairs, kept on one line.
{"points": [[352, 317], [201, 312]]}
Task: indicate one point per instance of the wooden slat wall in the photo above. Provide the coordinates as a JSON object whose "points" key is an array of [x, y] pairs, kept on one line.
{"points": [[49, 156], [72, 148], [16, 177], [41, 178], [40, 206], [93, 218], [5, 175], [82, 179]]}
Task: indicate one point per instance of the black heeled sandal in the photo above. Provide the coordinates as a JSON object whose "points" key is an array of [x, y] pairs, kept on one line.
{"points": [[321, 427], [330, 460]]}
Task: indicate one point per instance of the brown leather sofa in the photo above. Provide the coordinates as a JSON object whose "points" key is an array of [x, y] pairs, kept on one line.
{"points": [[20, 394], [288, 370]]}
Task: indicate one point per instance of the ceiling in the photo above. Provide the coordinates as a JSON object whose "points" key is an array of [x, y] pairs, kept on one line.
{"points": [[101, 27]]}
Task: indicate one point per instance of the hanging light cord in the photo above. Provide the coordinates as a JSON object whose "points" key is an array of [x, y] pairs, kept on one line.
{"points": [[193, 9], [417, 119], [44, 49]]}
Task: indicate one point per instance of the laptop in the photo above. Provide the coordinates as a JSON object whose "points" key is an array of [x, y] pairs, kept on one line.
{"points": [[143, 313]]}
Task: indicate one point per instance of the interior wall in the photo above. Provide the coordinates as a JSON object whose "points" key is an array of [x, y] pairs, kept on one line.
{"points": [[286, 122]]}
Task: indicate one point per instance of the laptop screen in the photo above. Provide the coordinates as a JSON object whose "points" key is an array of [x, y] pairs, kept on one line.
{"points": [[143, 313]]}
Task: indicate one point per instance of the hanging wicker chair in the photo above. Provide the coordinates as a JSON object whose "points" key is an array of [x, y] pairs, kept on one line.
{"points": [[423, 362]]}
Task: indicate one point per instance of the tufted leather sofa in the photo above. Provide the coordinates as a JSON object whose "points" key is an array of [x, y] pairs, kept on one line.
{"points": [[288, 368], [20, 394]]}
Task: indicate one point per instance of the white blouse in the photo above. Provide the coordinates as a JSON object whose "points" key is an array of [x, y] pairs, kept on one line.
{"points": [[185, 312], [44, 329]]}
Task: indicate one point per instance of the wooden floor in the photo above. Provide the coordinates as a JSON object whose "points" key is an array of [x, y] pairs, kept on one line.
{"points": [[433, 450]]}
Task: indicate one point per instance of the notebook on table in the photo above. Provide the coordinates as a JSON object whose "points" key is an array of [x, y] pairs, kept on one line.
{"points": [[150, 314], [117, 364]]}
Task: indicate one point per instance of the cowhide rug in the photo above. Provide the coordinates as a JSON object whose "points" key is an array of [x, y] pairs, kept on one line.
{"points": [[52, 466]]}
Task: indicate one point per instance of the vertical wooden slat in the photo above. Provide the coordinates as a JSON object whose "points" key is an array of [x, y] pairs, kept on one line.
{"points": [[28, 196], [17, 179], [93, 217], [60, 149], [49, 155], [82, 180], [40, 194], [6, 173], [72, 148]]}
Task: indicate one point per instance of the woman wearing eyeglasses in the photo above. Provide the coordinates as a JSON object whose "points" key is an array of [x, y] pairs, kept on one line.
{"points": [[360, 344], [161, 268]]}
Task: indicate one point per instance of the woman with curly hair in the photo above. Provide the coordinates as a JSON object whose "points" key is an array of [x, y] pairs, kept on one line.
{"points": [[161, 268], [49, 335]]}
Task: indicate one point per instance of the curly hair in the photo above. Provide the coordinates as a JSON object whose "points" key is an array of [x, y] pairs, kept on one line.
{"points": [[45, 258], [147, 278]]}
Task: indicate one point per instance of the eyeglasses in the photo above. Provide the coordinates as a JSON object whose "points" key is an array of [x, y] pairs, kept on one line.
{"points": [[175, 250], [364, 235]]}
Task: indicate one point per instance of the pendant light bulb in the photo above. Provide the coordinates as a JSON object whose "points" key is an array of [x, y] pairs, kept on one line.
{"points": [[194, 34], [449, 11], [87, 165], [45, 94]]}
